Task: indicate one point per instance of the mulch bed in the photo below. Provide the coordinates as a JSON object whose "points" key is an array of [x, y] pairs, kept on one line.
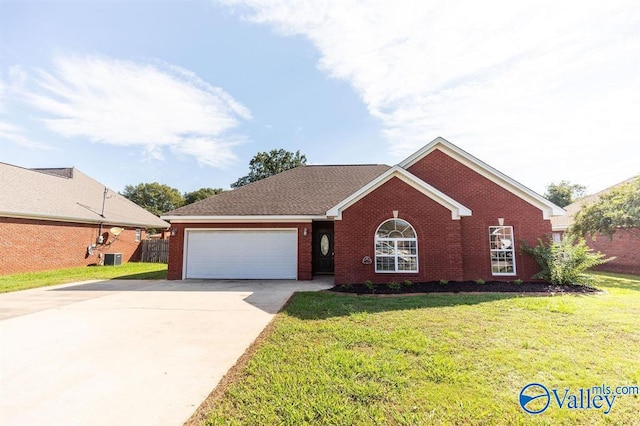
{"points": [[467, 287]]}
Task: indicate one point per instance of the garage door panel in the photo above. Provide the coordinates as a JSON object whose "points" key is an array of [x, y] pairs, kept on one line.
{"points": [[234, 254]]}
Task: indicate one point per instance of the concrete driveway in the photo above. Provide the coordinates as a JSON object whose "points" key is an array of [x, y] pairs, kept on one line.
{"points": [[127, 352]]}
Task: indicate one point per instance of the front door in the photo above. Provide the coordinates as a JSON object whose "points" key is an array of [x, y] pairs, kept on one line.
{"points": [[323, 248]]}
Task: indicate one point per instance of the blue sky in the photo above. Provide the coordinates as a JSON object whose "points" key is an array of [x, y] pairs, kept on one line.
{"points": [[186, 92]]}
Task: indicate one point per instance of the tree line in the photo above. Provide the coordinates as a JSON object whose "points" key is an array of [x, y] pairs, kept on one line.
{"points": [[618, 208], [160, 198]]}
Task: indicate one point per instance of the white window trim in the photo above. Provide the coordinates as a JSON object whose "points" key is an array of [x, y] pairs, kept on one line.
{"points": [[396, 255], [512, 250]]}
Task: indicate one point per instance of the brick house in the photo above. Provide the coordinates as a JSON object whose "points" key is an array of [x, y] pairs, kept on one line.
{"points": [[624, 244], [59, 218], [439, 214]]}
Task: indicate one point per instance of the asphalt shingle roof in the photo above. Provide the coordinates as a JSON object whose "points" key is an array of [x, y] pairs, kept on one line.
{"points": [[305, 190], [67, 194]]}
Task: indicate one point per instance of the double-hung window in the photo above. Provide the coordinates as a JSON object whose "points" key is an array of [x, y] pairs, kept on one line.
{"points": [[501, 243], [396, 247]]}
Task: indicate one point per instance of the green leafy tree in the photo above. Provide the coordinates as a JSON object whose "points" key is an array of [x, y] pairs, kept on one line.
{"points": [[616, 209], [200, 194], [265, 164], [564, 193], [155, 197], [564, 262]]}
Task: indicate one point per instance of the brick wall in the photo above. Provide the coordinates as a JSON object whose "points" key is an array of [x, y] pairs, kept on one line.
{"points": [[488, 202], [38, 245], [176, 245], [439, 243], [625, 245]]}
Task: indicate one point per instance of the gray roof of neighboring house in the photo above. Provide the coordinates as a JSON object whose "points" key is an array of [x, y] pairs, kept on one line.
{"points": [[560, 223], [68, 195], [305, 190]]}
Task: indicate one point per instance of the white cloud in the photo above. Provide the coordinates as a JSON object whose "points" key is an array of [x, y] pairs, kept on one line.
{"points": [[11, 132], [523, 83], [155, 107], [17, 135]]}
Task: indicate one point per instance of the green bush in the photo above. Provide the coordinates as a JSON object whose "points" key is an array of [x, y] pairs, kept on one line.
{"points": [[370, 286], [408, 283], [444, 282], [564, 262], [480, 281], [393, 285], [518, 281]]}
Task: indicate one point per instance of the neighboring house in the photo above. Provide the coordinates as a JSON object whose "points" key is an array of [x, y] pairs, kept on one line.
{"points": [[59, 218], [624, 244], [439, 214]]}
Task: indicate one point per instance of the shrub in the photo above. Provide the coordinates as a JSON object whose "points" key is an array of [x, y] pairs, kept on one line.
{"points": [[480, 281], [347, 286], [408, 283], [564, 262], [393, 285], [518, 281], [370, 286], [444, 282]]}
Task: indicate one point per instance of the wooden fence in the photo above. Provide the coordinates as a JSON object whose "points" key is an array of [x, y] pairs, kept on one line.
{"points": [[155, 251]]}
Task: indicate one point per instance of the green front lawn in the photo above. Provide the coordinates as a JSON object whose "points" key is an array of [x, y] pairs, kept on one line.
{"points": [[438, 359], [133, 271]]}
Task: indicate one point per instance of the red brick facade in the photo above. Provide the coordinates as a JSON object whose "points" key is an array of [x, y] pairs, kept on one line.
{"points": [[176, 245], [625, 246], [488, 202], [439, 244], [37, 245], [447, 249]]}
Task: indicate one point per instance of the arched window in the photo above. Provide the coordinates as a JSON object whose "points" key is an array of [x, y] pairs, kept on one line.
{"points": [[396, 247]]}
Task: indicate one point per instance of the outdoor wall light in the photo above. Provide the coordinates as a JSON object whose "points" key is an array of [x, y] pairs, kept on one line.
{"points": [[304, 232], [174, 231]]}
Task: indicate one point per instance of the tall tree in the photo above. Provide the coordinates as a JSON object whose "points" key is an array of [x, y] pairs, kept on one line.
{"points": [[616, 209], [155, 197], [265, 164], [564, 193], [200, 194]]}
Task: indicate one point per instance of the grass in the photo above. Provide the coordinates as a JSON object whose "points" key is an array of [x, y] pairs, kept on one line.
{"points": [[132, 271], [437, 359]]}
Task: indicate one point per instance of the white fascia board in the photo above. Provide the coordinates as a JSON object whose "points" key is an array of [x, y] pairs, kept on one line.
{"points": [[70, 219], [548, 208], [422, 152], [457, 209], [244, 219]]}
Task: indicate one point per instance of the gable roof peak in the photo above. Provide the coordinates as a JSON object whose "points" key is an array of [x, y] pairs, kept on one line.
{"points": [[548, 208], [457, 209]]}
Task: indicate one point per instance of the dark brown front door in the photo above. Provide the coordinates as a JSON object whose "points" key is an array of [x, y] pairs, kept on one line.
{"points": [[323, 248]]}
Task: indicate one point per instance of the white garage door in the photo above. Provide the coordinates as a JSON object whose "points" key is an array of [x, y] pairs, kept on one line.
{"points": [[242, 254]]}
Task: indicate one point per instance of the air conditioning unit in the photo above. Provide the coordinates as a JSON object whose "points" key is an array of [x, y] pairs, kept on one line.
{"points": [[113, 259]]}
